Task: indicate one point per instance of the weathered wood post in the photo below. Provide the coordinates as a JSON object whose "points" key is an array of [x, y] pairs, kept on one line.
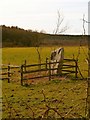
{"points": [[8, 73], [21, 74], [76, 69], [46, 62], [25, 65], [49, 70], [59, 69]]}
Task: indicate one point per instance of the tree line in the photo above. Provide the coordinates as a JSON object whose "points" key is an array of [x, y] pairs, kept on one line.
{"points": [[14, 36], [17, 37]]}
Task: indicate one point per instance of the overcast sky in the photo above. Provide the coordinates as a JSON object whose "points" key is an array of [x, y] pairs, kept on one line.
{"points": [[42, 14]]}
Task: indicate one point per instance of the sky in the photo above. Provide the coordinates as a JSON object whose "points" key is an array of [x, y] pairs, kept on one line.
{"points": [[41, 15]]}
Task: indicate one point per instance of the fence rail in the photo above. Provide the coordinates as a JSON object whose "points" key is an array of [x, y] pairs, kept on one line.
{"points": [[47, 68], [6, 71], [69, 67]]}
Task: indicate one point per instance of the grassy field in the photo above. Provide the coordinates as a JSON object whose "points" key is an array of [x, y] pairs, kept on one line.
{"points": [[25, 102], [66, 96], [17, 56]]}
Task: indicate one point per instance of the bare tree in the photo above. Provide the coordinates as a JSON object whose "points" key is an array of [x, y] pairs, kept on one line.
{"points": [[59, 29], [39, 55], [38, 49], [88, 61]]}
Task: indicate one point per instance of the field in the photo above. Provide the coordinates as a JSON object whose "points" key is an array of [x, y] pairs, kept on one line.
{"points": [[55, 98], [17, 56]]}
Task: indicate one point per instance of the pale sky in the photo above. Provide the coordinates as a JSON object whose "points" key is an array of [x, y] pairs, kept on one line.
{"points": [[42, 14]]}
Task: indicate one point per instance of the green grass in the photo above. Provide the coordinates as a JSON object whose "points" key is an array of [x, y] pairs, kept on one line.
{"points": [[17, 56], [65, 94]]}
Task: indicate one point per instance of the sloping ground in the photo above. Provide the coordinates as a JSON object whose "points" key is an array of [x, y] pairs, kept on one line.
{"points": [[17, 37], [55, 99]]}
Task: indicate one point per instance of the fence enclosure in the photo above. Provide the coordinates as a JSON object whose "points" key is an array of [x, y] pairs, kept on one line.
{"points": [[35, 71], [69, 66]]}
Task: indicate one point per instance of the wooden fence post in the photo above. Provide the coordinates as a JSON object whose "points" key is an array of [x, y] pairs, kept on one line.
{"points": [[8, 73], [21, 74], [46, 62], [59, 69], [25, 65], [76, 69], [49, 71]]}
